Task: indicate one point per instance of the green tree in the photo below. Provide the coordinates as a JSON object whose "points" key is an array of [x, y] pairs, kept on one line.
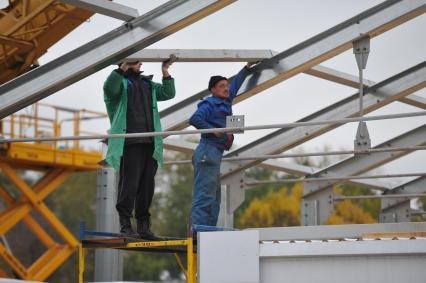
{"points": [[72, 202]]}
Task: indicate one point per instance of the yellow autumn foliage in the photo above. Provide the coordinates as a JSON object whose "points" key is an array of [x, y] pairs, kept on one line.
{"points": [[345, 212], [282, 208], [276, 209]]}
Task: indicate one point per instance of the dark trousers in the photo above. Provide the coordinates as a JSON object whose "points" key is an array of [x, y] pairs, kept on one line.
{"points": [[136, 184]]}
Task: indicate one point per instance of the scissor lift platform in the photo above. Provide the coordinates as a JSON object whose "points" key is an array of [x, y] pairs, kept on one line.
{"points": [[106, 240]]}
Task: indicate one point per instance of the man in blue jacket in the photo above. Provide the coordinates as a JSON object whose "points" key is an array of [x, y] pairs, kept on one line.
{"points": [[211, 113]]}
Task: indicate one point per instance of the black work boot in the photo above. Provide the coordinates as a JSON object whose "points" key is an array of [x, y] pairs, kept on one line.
{"points": [[144, 230], [126, 227]]}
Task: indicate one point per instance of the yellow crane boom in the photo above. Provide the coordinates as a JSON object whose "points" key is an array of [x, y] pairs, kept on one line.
{"points": [[28, 28]]}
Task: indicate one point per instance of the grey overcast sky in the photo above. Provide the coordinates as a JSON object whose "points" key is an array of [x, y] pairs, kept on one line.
{"points": [[276, 25]]}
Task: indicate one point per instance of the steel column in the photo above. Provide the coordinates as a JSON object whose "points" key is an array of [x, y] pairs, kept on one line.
{"points": [[108, 262], [398, 209]]}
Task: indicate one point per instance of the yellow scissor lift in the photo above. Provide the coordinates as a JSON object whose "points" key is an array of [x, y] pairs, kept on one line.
{"points": [[27, 29], [57, 160]]}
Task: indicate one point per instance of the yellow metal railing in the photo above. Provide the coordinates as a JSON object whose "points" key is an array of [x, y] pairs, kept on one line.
{"points": [[40, 125], [191, 267]]}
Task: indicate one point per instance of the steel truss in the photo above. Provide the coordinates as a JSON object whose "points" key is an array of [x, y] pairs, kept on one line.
{"points": [[273, 69]]}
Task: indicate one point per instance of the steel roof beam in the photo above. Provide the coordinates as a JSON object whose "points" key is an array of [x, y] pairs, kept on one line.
{"points": [[107, 8], [359, 164], [201, 55], [307, 54], [103, 51], [375, 97], [253, 55], [353, 81]]}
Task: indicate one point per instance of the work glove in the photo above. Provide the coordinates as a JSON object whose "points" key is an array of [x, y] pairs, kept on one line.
{"points": [[166, 64], [229, 141]]}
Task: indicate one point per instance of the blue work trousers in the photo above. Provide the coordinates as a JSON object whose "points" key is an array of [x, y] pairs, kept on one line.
{"points": [[206, 189]]}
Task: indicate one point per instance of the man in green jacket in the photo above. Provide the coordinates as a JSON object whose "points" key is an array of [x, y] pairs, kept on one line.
{"points": [[131, 102]]}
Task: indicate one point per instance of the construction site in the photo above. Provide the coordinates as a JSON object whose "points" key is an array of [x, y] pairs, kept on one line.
{"points": [[325, 181]]}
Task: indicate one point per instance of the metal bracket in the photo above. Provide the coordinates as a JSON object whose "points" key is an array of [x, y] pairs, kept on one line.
{"points": [[362, 138], [361, 48], [395, 210], [395, 217], [309, 211], [235, 121], [233, 195], [317, 206], [236, 191]]}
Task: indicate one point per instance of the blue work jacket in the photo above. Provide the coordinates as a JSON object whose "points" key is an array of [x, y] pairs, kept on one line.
{"points": [[212, 111]]}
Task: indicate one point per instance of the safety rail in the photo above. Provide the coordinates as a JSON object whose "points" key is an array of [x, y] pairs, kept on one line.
{"points": [[39, 125]]}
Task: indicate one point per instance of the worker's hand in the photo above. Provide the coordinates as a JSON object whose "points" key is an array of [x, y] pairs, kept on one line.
{"points": [[218, 134], [124, 66], [166, 64], [251, 64]]}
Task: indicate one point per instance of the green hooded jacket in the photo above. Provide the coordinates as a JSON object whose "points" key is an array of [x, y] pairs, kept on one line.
{"points": [[115, 97]]}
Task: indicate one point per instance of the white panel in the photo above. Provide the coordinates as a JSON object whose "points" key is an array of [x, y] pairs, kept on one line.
{"points": [[389, 261], [228, 257], [344, 248], [362, 269], [327, 232]]}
